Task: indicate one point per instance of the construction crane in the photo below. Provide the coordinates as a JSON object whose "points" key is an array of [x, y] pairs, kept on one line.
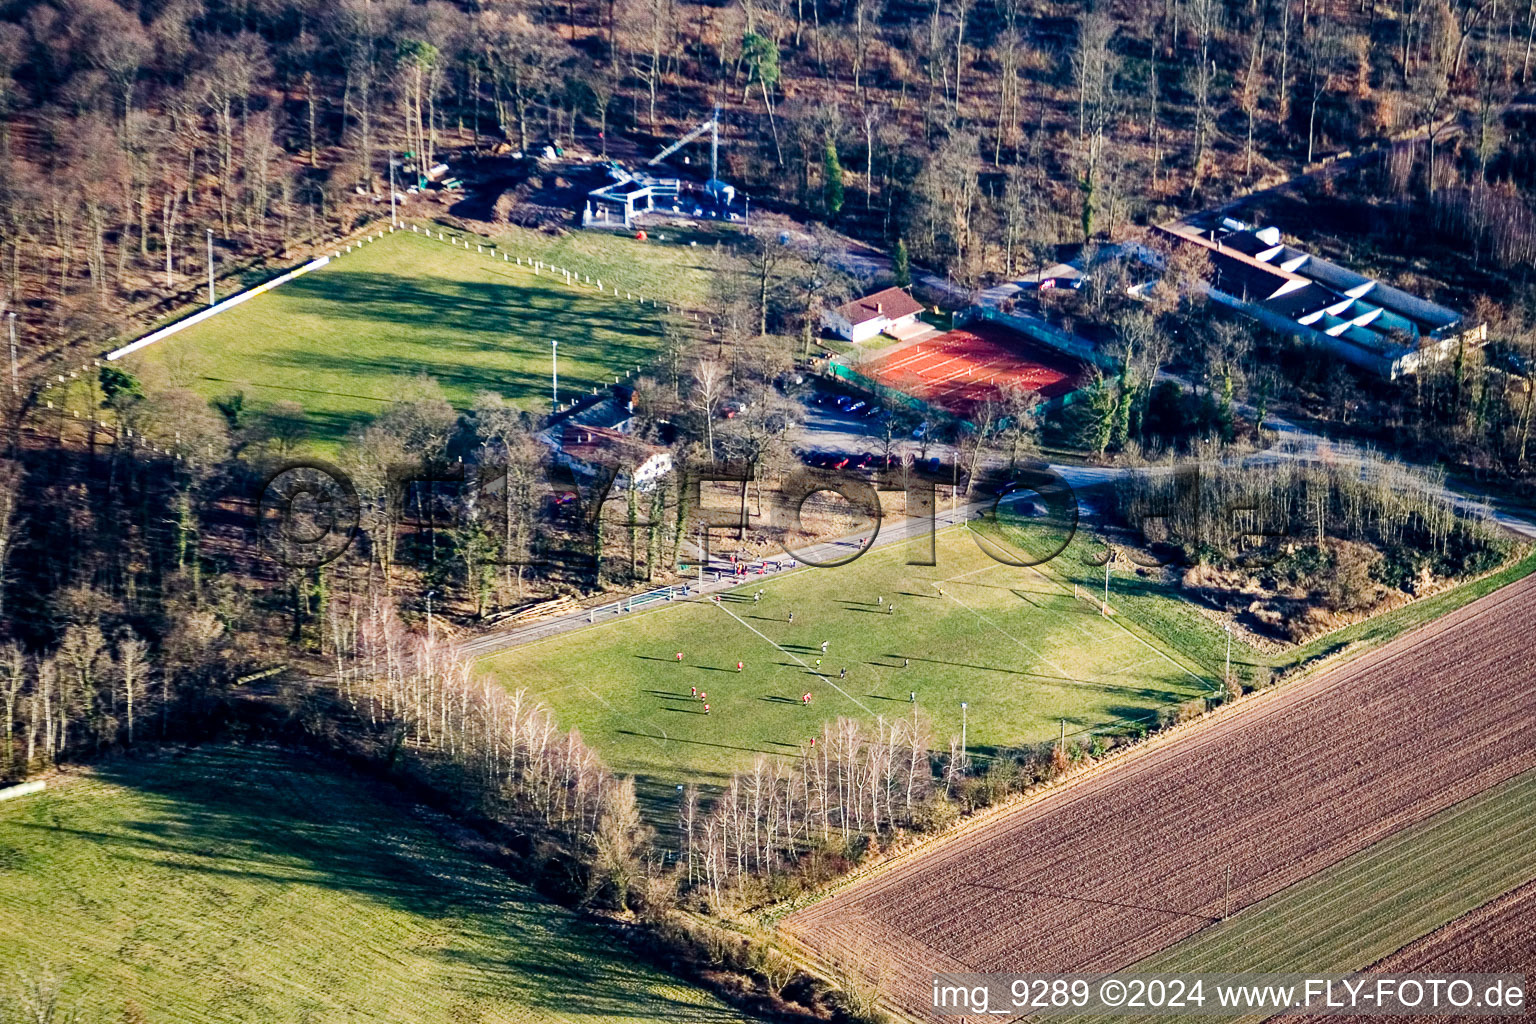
{"points": [[713, 127]]}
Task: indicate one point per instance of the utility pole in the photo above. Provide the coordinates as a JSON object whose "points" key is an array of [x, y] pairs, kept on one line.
{"points": [[1062, 743], [554, 373], [714, 145], [1106, 584], [14, 384], [964, 757], [392, 219], [1228, 677], [210, 267]]}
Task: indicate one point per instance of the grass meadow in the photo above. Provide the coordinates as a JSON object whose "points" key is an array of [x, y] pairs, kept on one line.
{"points": [[679, 265], [241, 884], [346, 340], [1016, 645]]}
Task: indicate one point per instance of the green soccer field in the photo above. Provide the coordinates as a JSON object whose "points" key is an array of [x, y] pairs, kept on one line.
{"points": [[346, 340], [238, 884], [1014, 644]]}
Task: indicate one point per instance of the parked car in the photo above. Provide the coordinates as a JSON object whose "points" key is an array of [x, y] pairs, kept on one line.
{"points": [[856, 406], [934, 463], [560, 505], [838, 462]]}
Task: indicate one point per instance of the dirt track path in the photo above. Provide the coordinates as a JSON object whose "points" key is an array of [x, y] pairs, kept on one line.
{"points": [[1117, 866]]}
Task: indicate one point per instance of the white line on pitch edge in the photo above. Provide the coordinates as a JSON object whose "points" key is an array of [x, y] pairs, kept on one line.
{"points": [[818, 675]]}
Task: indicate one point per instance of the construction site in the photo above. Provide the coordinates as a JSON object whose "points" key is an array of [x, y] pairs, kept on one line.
{"points": [[632, 192]]}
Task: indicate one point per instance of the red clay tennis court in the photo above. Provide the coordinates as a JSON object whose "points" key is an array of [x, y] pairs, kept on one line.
{"points": [[961, 369]]}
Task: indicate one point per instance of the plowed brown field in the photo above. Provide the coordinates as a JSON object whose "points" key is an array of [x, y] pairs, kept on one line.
{"points": [[1497, 938], [1122, 863]]}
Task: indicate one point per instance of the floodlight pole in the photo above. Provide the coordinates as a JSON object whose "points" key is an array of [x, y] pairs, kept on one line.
{"points": [[554, 374], [210, 267], [714, 145], [964, 757]]}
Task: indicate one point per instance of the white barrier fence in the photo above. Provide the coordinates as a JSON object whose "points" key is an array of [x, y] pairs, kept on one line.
{"points": [[22, 790], [216, 308]]}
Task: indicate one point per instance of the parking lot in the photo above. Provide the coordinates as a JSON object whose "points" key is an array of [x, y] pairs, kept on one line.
{"points": [[849, 431]]}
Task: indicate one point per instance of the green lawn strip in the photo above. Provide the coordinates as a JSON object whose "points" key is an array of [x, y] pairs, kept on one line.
{"points": [[1017, 648], [1373, 903], [236, 884], [345, 340]]}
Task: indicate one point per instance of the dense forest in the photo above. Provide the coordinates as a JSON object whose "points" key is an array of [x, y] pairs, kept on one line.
{"points": [[982, 132]]}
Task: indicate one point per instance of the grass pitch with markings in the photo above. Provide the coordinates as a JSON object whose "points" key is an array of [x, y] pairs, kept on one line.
{"points": [[1014, 643]]}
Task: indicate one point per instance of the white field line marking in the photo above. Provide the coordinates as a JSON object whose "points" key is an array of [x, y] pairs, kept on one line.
{"points": [[1204, 683], [1048, 591], [562, 687], [1043, 659], [611, 707], [1134, 666], [818, 675], [972, 572]]}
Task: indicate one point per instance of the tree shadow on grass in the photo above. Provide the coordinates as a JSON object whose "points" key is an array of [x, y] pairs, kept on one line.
{"points": [[281, 818], [669, 695], [700, 743], [487, 329]]}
